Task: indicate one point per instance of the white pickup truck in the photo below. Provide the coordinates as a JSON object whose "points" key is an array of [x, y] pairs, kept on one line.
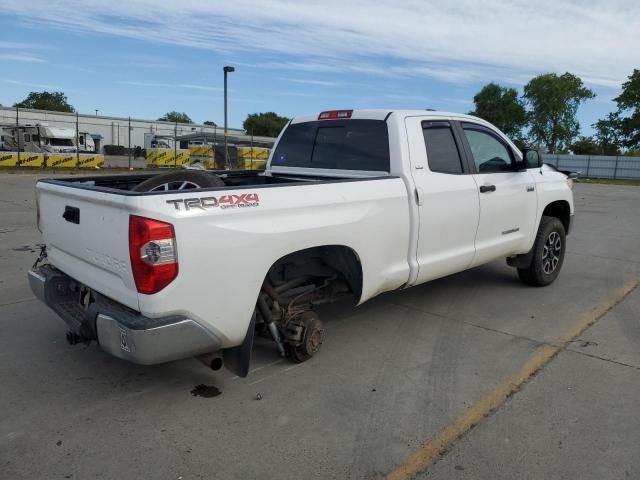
{"points": [[187, 263]]}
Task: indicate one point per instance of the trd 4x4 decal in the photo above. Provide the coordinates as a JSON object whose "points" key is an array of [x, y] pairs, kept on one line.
{"points": [[242, 200]]}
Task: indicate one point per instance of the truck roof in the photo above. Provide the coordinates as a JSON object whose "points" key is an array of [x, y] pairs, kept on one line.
{"points": [[380, 114]]}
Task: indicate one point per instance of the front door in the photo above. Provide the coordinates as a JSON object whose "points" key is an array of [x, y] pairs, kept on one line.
{"points": [[507, 197]]}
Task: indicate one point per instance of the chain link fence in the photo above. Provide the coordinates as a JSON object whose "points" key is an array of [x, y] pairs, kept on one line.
{"points": [[44, 139]]}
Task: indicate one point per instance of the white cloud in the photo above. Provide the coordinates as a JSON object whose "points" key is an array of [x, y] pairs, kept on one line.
{"points": [[456, 42], [29, 84], [18, 46], [305, 81], [19, 52], [170, 85], [20, 57]]}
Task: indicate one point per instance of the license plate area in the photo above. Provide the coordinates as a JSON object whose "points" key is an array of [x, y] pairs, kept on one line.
{"points": [[84, 295]]}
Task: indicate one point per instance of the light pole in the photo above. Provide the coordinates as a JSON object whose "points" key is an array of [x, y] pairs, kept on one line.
{"points": [[226, 69]]}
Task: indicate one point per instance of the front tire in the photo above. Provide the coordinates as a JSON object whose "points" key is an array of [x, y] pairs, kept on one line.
{"points": [[547, 254]]}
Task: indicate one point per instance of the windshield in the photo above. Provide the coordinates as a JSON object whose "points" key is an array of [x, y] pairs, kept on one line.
{"points": [[335, 144], [61, 142]]}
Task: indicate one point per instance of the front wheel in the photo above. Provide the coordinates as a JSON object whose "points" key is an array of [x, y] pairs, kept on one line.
{"points": [[547, 254]]}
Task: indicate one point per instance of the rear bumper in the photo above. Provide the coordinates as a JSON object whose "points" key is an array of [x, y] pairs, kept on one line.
{"points": [[120, 331]]}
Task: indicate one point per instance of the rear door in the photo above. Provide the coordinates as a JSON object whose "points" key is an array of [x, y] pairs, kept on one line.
{"points": [[447, 196], [507, 197]]}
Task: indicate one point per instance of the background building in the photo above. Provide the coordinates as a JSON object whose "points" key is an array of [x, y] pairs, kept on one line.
{"points": [[111, 130]]}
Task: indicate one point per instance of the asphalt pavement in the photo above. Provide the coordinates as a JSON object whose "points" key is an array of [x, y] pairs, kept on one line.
{"points": [[392, 377]]}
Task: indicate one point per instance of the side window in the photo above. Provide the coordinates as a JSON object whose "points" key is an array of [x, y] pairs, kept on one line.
{"points": [[442, 151], [489, 154]]}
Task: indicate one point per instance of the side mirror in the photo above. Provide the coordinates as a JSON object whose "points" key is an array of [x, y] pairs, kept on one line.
{"points": [[531, 158]]}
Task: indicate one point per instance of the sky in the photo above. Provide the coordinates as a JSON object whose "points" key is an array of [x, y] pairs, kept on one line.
{"points": [[143, 58]]}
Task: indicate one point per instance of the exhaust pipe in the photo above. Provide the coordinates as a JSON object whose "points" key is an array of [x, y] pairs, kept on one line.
{"points": [[211, 360]]}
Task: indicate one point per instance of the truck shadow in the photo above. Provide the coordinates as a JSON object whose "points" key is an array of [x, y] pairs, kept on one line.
{"points": [[91, 369]]}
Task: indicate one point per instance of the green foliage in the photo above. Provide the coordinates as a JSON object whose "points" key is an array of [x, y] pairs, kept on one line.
{"points": [[586, 146], [52, 101], [114, 150], [553, 103], [176, 117], [267, 124], [632, 152], [628, 114], [210, 123], [501, 107], [608, 134]]}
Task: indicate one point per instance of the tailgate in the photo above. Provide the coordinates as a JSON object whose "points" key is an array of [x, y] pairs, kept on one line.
{"points": [[87, 237]]}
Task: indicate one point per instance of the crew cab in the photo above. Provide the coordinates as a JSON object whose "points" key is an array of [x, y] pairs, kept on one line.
{"points": [[352, 203]]}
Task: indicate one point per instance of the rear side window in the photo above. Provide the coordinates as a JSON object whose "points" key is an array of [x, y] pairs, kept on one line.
{"points": [[335, 144], [443, 155]]}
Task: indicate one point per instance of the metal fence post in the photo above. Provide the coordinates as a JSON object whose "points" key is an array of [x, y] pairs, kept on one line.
{"points": [[588, 164], [18, 135], [77, 142], [129, 142], [615, 168]]}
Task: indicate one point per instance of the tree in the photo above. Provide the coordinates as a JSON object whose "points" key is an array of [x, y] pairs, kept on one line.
{"points": [[553, 103], [586, 146], [53, 101], [210, 123], [628, 114], [608, 134], [266, 124], [175, 117], [501, 106]]}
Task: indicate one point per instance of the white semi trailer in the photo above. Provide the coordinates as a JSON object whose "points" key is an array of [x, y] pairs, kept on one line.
{"points": [[41, 138]]}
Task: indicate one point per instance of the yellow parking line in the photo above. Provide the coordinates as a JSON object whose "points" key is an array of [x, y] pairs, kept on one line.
{"points": [[432, 448]]}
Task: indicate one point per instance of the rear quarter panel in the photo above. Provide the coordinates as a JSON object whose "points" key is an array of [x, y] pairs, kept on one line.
{"points": [[225, 253]]}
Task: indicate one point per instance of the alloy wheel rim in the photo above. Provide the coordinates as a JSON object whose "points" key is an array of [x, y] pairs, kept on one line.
{"points": [[551, 252], [170, 186]]}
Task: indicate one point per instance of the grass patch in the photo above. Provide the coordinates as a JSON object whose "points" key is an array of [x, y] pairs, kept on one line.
{"points": [[611, 181]]}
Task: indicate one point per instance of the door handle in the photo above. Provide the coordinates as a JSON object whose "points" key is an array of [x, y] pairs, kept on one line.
{"points": [[419, 196], [487, 188]]}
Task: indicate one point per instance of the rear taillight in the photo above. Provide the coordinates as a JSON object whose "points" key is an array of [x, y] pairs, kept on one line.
{"points": [[154, 258]]}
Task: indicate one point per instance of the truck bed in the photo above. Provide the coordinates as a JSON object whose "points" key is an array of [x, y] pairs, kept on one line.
{"points": [[123, 184]]}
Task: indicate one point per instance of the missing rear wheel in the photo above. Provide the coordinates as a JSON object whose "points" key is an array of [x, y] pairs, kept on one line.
{"points": [[304, 335]]}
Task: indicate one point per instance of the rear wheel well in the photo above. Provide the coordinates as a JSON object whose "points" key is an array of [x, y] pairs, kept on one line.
{"points": [[559, 209], [320, 262]]}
